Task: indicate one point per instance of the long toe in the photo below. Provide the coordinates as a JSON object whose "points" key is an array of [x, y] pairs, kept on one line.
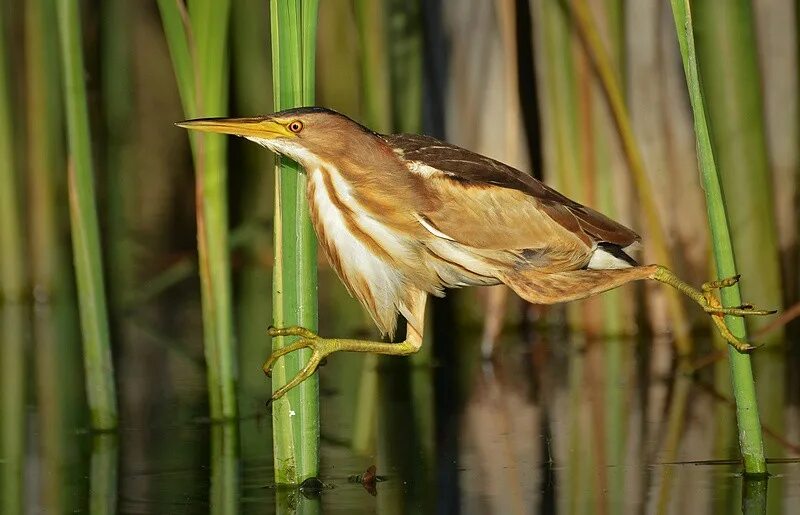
{"points": [[722, 283], [739, 311], [321, 348], [294, 330]]}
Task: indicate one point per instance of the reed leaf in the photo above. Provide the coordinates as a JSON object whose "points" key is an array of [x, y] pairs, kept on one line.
{"points": [[750, 438], [85, 231], [209, 22], [295, 416], [197, 41], [252, 80]]}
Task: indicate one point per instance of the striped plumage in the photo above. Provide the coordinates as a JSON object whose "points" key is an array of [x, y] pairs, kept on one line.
{"points": [[432, 216], [401, 217]]}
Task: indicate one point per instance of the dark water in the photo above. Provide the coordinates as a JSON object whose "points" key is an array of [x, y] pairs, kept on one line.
{"points": [[553, 425]]}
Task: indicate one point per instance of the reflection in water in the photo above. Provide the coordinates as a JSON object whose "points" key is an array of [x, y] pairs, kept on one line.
{"points": [[14, 320], [552, 425], [754, 496], [103, 476], [224, 468]]}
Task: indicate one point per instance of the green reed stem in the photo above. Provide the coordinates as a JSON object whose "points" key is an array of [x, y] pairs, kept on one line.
{"points": [[295, 417], [727, 57], [44, 150], [85, 230], [12, 268], [750, 438], [197, 42]]}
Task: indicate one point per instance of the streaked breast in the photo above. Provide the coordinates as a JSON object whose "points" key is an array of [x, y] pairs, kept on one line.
{"points": [[359, 247]]}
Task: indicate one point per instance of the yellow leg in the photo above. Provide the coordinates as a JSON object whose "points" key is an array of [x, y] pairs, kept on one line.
{"points": [[322, 347], [711, 304]]}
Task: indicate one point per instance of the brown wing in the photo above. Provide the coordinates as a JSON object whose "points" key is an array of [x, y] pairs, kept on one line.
{"points": [[471, 169]]}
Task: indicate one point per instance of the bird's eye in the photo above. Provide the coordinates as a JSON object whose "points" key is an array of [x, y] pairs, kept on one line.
{"points": [[296, 126]]}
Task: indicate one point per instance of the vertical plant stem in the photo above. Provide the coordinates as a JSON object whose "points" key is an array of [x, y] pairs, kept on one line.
{"points": [[120, 123], [376, 88], [251, 72], [295, 417], [209, 23], [726, 56], [633, 155], [750, 438], [85, 231], [197, 42], [45, 153], [12, 269]]}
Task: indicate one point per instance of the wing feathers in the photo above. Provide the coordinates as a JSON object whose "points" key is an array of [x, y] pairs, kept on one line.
{"points": [[469, 169]]}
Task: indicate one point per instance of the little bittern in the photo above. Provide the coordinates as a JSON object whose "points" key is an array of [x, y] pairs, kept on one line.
{"points": [[401, 217]]}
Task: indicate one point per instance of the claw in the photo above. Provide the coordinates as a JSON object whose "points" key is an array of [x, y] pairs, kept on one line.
{"points": [[291, 331], [308, 339], [738, 311], [711, 304], [722, 283]]}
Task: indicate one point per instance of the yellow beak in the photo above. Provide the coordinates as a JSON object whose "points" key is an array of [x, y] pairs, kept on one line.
{"points": [[265, 128]]}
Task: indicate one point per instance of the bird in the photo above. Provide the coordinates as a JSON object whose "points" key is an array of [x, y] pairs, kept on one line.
{"points": [[401, 217]]}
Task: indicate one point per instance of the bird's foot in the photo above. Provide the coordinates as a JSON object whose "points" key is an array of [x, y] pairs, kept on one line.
{"points": [[712, 305], [320, 348], [717, 311], [722, 283]]}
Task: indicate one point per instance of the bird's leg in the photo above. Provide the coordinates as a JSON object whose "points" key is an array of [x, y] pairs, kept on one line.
{"points": [[541, 288], [322, 347], [711, 304]]}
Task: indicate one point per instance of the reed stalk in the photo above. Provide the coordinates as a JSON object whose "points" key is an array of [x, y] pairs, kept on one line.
{"points": [[85, 231], [12, 265], [13, 330], [252, 80], [731, 73], [197, 41], [45, 152], [726, 55], [559, 101], [295, 416], [750, 438], [120, 122], [610, 82], [616, 306]]}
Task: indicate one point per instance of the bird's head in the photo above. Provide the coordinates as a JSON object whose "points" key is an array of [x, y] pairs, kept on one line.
{"points": [[306, 135]]}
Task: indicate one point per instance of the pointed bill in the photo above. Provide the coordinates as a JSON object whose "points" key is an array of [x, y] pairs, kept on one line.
{"points": [[263, 128]]}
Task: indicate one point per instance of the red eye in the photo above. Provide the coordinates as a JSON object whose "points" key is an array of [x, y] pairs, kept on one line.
{"points": [[296, 126]]}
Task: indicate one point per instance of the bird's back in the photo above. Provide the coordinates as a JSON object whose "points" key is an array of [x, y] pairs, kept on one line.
{"points": [[468, 169]]}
